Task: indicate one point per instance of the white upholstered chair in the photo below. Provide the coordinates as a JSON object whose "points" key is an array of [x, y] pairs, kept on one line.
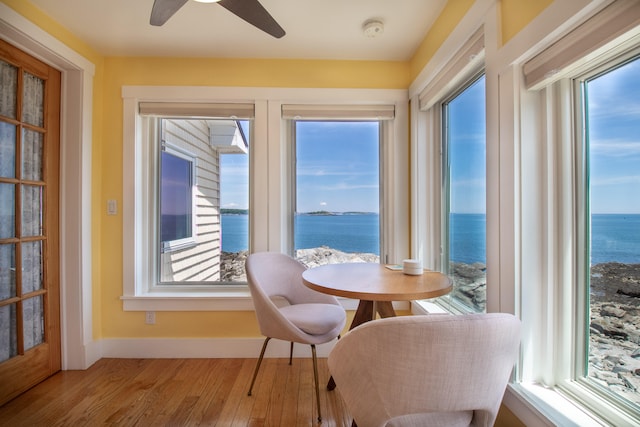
{"points": [[428, 370], [302, 315]]}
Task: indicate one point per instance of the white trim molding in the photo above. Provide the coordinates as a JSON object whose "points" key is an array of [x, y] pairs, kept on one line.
{"points": [[268, 193], [196, 348]]}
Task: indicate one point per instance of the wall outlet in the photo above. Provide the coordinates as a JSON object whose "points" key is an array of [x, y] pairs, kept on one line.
{"points": [[150, 318]]}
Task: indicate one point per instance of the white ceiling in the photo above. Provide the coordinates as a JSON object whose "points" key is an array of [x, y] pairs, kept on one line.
{"points": [[316, 29]]}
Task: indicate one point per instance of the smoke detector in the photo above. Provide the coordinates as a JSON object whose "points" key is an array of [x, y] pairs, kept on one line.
{"points": [[373, 28]]}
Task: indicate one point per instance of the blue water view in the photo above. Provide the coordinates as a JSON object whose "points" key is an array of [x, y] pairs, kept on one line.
{"points": [[348, 233], [614, 237], [468, 238], [235, 233]]}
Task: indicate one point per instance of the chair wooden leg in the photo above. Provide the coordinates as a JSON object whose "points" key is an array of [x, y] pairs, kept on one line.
{"points": [[291, 353], [255, 373], [315, 378]]}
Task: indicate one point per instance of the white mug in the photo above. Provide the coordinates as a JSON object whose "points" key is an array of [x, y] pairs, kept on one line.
{"points": [[412, 266]]}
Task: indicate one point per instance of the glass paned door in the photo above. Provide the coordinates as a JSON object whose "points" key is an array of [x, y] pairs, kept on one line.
{"points": [[29, 170]]}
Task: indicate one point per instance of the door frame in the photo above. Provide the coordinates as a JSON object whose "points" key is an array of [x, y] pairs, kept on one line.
{"points": [[79, 349]]}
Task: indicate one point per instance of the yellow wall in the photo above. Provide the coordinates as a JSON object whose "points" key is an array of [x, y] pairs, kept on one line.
{"points": [[113, 72], [516, 14], [450, 16], [199, 72]]}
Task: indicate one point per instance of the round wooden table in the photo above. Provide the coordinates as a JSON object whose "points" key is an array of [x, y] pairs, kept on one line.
{"points": [[376, 286]]}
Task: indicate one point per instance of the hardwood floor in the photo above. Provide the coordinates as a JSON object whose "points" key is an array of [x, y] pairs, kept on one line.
{"points": [[180, 392]]}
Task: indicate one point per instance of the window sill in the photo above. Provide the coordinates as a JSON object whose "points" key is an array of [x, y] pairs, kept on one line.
{"points": [[426, 307], [219, 300], [534, 404], [238, 299]]}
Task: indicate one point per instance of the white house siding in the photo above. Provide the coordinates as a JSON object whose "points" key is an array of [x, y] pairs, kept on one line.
{"points": [[200, 262]]}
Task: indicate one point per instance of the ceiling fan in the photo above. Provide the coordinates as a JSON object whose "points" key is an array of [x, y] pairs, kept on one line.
{"points": [[249, 10]]}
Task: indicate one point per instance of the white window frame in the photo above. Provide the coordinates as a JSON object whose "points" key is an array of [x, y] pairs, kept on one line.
{"points": [[571, 379], [381, 114], [178, 244], [530, 200], [549, 219], [464, 82], [269, 190], [428, 195]]}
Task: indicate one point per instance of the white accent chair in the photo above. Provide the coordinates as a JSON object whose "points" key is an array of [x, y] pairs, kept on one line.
{"points": [[303, 315], [427, 370]]}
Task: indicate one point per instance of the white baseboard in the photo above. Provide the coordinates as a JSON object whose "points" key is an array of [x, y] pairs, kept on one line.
{"points": [[93, 353], [202, 347], [157, 348]]}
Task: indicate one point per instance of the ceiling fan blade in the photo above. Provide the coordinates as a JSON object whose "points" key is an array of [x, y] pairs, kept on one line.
{"points": [[255, 14], [163, 10]]}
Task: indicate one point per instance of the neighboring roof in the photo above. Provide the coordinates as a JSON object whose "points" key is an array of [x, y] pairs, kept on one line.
{"points": [[227, 137]]}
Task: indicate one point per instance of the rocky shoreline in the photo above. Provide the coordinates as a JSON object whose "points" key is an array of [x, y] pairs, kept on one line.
{"points": [[614, 344], [614, 339]]}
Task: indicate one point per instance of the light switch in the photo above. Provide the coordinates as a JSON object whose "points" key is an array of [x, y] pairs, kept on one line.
{"points": [[112, 207]]}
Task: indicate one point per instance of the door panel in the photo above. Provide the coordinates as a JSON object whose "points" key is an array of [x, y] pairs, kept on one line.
{"points": [[29, 221]]}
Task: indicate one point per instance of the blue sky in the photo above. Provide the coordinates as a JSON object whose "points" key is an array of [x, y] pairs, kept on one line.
{"points": [[337, 166], [235, 177], [467, 153], [614, 140], [337, 161]]}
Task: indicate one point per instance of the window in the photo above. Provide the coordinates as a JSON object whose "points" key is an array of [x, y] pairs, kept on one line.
{"points": [[243, 184], [234, 200], [612, 157], [449, 175], [337, 212], [191, 187], [576, 169], [176, 198], [464, 193]]}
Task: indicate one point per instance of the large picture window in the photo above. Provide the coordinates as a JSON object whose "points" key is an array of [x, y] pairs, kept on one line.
{"points": [[464, 195], [612, 157], [202, 197], [337, 213], [577, 226]]}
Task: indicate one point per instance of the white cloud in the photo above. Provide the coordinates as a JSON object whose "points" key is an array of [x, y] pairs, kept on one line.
{"points": [[615, 147], [617, 180]]}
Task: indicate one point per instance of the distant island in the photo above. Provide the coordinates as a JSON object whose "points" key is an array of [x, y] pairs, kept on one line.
{"points": [[227, 211], [328, 213]]}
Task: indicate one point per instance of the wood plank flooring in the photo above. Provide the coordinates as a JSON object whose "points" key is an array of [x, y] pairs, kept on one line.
{"points": [[180, 392]]}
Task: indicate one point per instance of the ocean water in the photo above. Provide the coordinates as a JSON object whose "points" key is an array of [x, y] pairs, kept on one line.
{"points": [[614, 237], [468, 238], [235, 233], [348, 233]]}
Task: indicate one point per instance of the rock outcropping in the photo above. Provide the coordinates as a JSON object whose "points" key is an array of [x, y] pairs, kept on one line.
{"points": [[614, 339]]}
